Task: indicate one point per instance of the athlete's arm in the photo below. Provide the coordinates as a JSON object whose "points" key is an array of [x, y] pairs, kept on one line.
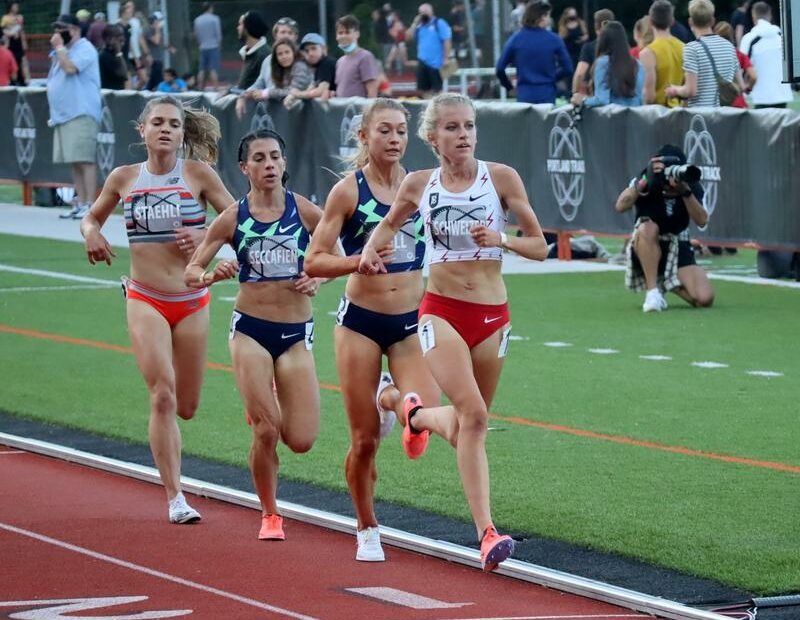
{"points": [[219, 233], [98, 249], [404, 205], [322, 258], [310, 216], [211, 191], [513, 195]]}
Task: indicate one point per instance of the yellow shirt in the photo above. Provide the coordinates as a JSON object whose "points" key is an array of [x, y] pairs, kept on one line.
{"points": [[669, 67]]}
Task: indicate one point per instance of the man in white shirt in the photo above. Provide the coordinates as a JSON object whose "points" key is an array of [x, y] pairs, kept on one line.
{"points": [[764, 45]]}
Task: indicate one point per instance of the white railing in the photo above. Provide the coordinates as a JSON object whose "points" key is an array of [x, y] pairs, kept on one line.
{"points": [[463, 75]]}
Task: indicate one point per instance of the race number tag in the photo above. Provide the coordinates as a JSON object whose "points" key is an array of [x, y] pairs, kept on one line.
{"points": [[504, 339], [427, 339], [273, 257], [405, 244], [155, 212]]}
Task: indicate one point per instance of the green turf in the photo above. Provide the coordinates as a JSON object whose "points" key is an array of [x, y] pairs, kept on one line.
{"points": [[733, 522], [11, 193]]}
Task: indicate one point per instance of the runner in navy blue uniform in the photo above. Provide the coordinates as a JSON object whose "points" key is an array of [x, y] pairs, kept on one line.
{"points": [[272, 330], [377, 316]]}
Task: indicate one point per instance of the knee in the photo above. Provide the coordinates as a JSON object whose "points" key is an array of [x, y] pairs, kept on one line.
{"points": [[647, 232], [705, 300], [364, 446], [473, 420], [162, 400], [299, 445], [187, 408], [265, 430]]}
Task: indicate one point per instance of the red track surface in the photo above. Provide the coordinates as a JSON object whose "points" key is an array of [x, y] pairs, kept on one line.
{"points": [[71, 532]]}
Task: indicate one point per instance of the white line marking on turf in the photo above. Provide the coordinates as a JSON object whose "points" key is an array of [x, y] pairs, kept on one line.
{"points": [[59, 275], [764, 373], [518, 338], [603, 351], [40, 289], [655, 358], [709, 365], [405, 599], [557, 345], [154, 573], [762, 281]]}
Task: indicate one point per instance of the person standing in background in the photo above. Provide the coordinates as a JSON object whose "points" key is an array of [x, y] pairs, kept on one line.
{"points": [[663, 58], [582, 78], [113, 68], [434, 40], [764, 46], [96, 28], [208, 32], [251, 30], [154, 35], [572, 29], [13, 24], [357, 70]]}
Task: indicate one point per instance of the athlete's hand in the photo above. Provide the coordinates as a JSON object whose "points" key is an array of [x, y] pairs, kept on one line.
{"points": [[224, 270], [188, 239], [387, 253], [371, 262], [308, 286], [98, 249], [485, 237]]}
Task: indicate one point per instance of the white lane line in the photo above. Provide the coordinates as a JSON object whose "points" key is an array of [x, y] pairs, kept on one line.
{"points": [[655, 358], [603, 351], [405, 599], [709, 365], [761, 281], [53, 609], [4, 452], [764, 373], [557, 345], [40, 289], [154, 573], [59, 275], [564, 617]]}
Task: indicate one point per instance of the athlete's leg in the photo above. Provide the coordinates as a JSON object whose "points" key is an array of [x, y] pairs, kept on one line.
{"points": [[189, 347], [298, 395], [254, 372], [151, 339], [358, 360]]}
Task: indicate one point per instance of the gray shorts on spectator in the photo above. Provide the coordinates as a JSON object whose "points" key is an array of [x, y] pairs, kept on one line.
{"points": [[75, 141]]}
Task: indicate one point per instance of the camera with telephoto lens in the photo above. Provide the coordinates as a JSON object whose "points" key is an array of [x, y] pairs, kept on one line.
{"points": [[675, 170]]}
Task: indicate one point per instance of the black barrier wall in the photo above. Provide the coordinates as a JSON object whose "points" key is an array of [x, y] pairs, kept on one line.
{"points": [[573, 171]]}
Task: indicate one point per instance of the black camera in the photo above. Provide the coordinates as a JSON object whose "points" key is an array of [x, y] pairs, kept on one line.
{"points": [[675, 170], [424, 18]]}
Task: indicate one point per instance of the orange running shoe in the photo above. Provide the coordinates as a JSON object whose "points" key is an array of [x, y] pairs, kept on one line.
{"points": [[414, 442], [495, 548], [271, 528]]}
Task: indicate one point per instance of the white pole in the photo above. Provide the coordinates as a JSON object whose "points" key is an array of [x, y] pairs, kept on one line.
{"points": [[64, 7], [323, 21], [496, 29]]}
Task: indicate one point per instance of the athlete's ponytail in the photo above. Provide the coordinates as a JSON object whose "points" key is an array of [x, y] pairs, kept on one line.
{"points": [[361, 157], [200, 129]]}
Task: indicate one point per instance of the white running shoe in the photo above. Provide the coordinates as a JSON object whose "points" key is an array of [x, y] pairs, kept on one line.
{"points": [[68, 215], [387, 416], [180, 512], [369, 545], [654, 301], [82, 210]]}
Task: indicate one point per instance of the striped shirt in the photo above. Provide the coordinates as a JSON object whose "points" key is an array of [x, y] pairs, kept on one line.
{"points": [[696, 61]]}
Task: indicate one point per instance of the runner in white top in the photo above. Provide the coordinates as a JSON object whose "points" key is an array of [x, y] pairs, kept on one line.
{"points": [[464, 324]]}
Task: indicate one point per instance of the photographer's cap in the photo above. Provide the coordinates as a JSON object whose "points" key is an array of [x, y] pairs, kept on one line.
{"points": [[670, 150], [312, 38], [67, 20]]}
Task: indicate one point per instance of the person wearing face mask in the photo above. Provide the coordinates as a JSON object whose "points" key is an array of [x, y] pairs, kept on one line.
{"points": [[357, 70], [73, 95], [433, 37]]}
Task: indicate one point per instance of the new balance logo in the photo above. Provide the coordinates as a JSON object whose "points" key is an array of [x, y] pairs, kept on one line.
{"points": [[284, 336], [486, 319], [173, 180], [474, 198]]}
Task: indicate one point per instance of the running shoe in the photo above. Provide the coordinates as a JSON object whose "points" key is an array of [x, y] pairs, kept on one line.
{"points": [[68, 215], [414, 442], [180, 512], [495, 548], [386, 416], [369, 545], [82, 210], [271, 528], [654, 302]]}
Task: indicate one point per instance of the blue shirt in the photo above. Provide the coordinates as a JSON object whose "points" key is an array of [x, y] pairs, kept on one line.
{"points": [[430, 42], [177, 86], [77, 94], [602, 92], [541, 59]]}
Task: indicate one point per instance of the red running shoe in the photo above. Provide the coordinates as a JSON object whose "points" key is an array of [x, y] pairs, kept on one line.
{"points": [[495, 548], [271, 528], [414, 442]]}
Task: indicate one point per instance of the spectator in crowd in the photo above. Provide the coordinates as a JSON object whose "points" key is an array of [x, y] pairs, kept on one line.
{"points": [[113, 67], [73, 95], [572, 29], [356, 70], [515, 17], [642, 35], [540, 56], [154, 35], [618, 76], [286, 28], [663, 58], [700, 86], [681, 32], [251, 30], [398, 56], [96, 29], [457, 20], [660, 256], [581, 79], [479, 23], [83, 16], [741, 20], [380, 30], [287, 71], [764, 46], [315, 52], [190, 79], [172, 83], [749, 75], [13, 24], [208, 33], [433, 37], [135, 48], [8, 64]]}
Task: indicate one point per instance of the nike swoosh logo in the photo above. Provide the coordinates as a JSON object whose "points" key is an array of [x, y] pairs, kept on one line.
{"points": [[284, 336], [281, 229], [411, 326], [486, 319], [474, 198]]}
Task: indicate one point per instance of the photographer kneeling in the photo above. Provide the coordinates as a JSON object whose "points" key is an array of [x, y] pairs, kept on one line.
{"points": [[666, 195]]}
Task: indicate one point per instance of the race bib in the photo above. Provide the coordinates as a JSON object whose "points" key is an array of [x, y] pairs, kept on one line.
{"points": [[450, 226], [273, 257]]}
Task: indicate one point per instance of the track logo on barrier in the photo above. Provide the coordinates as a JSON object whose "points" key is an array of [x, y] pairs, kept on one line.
{"points": [[348, 132], [24, 134], [261, 119], [106, 141], [701, 151], [566, 166]]}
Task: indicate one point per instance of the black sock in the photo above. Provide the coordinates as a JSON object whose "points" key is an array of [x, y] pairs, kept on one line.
{"points": [[411, 414]]}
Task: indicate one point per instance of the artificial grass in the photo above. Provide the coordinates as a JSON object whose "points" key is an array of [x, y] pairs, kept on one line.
{"points": [[732, 522]]}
